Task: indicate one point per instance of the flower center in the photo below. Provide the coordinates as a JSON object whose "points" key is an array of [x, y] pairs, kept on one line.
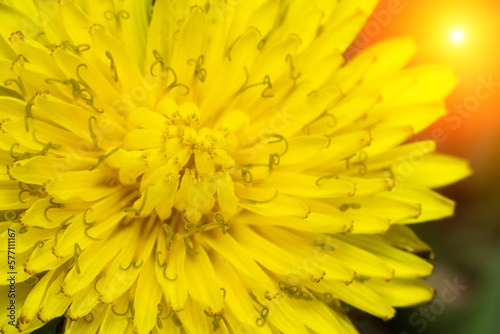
{"points": [[181, 168]]}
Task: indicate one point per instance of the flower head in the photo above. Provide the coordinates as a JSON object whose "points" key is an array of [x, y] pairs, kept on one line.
{"points": [[213, 166]]}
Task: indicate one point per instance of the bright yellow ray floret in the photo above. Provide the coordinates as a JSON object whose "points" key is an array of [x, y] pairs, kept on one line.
{"points": [[212, 166]]}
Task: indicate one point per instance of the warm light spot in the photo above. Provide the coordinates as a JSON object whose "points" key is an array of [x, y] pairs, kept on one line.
{"points": [[457, 36]]}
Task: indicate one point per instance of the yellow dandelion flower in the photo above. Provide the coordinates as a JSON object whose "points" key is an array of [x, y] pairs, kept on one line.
{"points": [[195, 166]]}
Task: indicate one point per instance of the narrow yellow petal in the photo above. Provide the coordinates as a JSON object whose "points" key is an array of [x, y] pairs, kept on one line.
{"points": [[228, 248], [175, 289], [403, 237], [87, 185], [43, 259], [194, 319], [315, 222], [31, 237], [263, 202], [303, 185], [208, 295], [236, 297], [83, 325], [147, 297], [421, 115], [316, 316], [403, 263], [361, 261], [35, 297], [160, 26], [285, 318], [402, 292], [122, 272], [274, 257], [225, 194], [143, 139], [391, 55], [147, 119], [90, 263], [83, 303], [438, 170], [113, 322], [11, 108], [9, 200], [37, 170], [375, 207], [386, 138], [433, 205], [358, 295], [54, 304], [316, 260]]}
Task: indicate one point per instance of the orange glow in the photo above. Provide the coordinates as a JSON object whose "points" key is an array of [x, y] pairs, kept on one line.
{"points": [[457, 36], [463, 34]]}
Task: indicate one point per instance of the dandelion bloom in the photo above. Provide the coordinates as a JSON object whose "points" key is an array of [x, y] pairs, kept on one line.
{"points": [[213, 166]]}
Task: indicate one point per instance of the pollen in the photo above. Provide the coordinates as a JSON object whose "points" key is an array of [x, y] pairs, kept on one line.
{"points": [[214, 166]]}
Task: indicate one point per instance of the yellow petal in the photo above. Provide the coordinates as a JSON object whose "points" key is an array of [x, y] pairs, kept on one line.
{"points": [[404, 264], [315, 222], [160, 26], [147, 119], [316, 260], [43, 259], [209, 294], [308, 186], [402, 292], [361, 261], [14, 20], [421, 116], [54, 303], [37, 170], [83, 303], [35, 297], [385, 138], [375, 207], [272, 256], [265, 203], [85, 326], [127, 71], [112, 322], [229, 249], [175, 289], [438, 170], [391, 55], [194, 319], [91, 262], [403, 237], [12, 199], [31, 237], [122, 272], [341, 147], [239, 305], [225, 194], [285, 318], [316, 316], [87, 185], [143, 139], [12, 108], [434, 206], [419, 85], [402, 158], [360, 296], [147, 297]]}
